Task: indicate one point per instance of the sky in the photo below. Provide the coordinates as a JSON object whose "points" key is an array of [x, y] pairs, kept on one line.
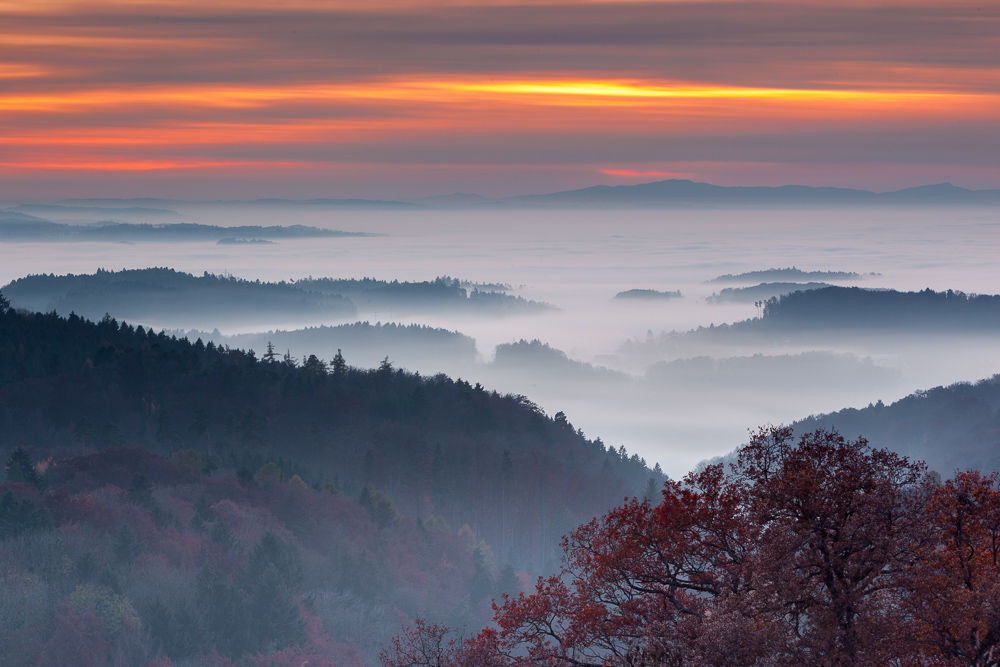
{"points": [[402, 98]]}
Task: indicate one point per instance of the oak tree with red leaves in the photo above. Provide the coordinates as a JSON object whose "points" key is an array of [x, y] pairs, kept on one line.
{"points": [[954, 605], [801, 553]]}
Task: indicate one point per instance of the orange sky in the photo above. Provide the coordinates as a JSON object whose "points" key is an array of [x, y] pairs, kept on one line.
{"points": [[410, 98]]}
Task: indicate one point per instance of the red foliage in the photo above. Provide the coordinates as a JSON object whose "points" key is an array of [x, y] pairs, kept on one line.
{"points": [[117, 466], [802, 555], [954, 608]]}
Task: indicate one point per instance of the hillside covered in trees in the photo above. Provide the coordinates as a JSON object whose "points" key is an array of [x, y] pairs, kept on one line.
{"points": [[831, 316], [175, 499], [953, 427]]}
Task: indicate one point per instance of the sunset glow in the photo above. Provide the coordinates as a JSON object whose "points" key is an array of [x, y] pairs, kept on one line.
{"points": [[125, 86]]}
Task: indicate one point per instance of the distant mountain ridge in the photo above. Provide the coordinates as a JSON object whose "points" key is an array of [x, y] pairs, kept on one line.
{"points": [[18, 226], [667, 193], [680, 192]]}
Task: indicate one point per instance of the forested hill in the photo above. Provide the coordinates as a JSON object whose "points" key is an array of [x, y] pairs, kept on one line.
{"points": [[163, 295], [954, 427], [853, 307], [828, 315], [867, 310], [191, 499], [435, 445]]}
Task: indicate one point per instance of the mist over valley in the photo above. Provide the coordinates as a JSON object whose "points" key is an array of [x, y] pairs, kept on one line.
{"points": [[639, 372]]}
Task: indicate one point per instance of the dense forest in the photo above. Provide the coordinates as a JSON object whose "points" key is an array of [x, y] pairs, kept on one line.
{"points": [[169, 499]]}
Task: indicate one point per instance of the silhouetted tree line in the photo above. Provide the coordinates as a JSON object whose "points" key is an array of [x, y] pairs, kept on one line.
{"points": [[362, 338], [443, 291], [847, 307]]}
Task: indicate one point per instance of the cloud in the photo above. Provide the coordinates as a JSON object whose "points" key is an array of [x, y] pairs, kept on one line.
{"points": [[632, 173], [577, 85]]}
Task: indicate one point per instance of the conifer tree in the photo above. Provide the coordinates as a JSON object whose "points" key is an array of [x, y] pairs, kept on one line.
{"points": [[18, 518], [127, 545], [140, 490], [226, 614], [20, 468], [507, 581], [338, 365], [482, 583]]}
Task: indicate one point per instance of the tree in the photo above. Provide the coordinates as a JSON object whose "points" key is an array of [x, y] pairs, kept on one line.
{"points": [[799, 555], [507, 581], [22, 517], [225, 611], [20, 468], [199, 425], [314, 366], [273, 610], [166, 432], [222, 534], [4, 304], [140, 490], [651, 490], [954, 608], [482, 583], [127, 546], [76, 640], [83, 431], [338, 365], [379, 507]]}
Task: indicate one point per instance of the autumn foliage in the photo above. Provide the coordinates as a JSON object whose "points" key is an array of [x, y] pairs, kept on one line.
{"points": [[814, 550]]}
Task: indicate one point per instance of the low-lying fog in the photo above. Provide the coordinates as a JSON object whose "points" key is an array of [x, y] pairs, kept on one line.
{"points": [[667, 410]]}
